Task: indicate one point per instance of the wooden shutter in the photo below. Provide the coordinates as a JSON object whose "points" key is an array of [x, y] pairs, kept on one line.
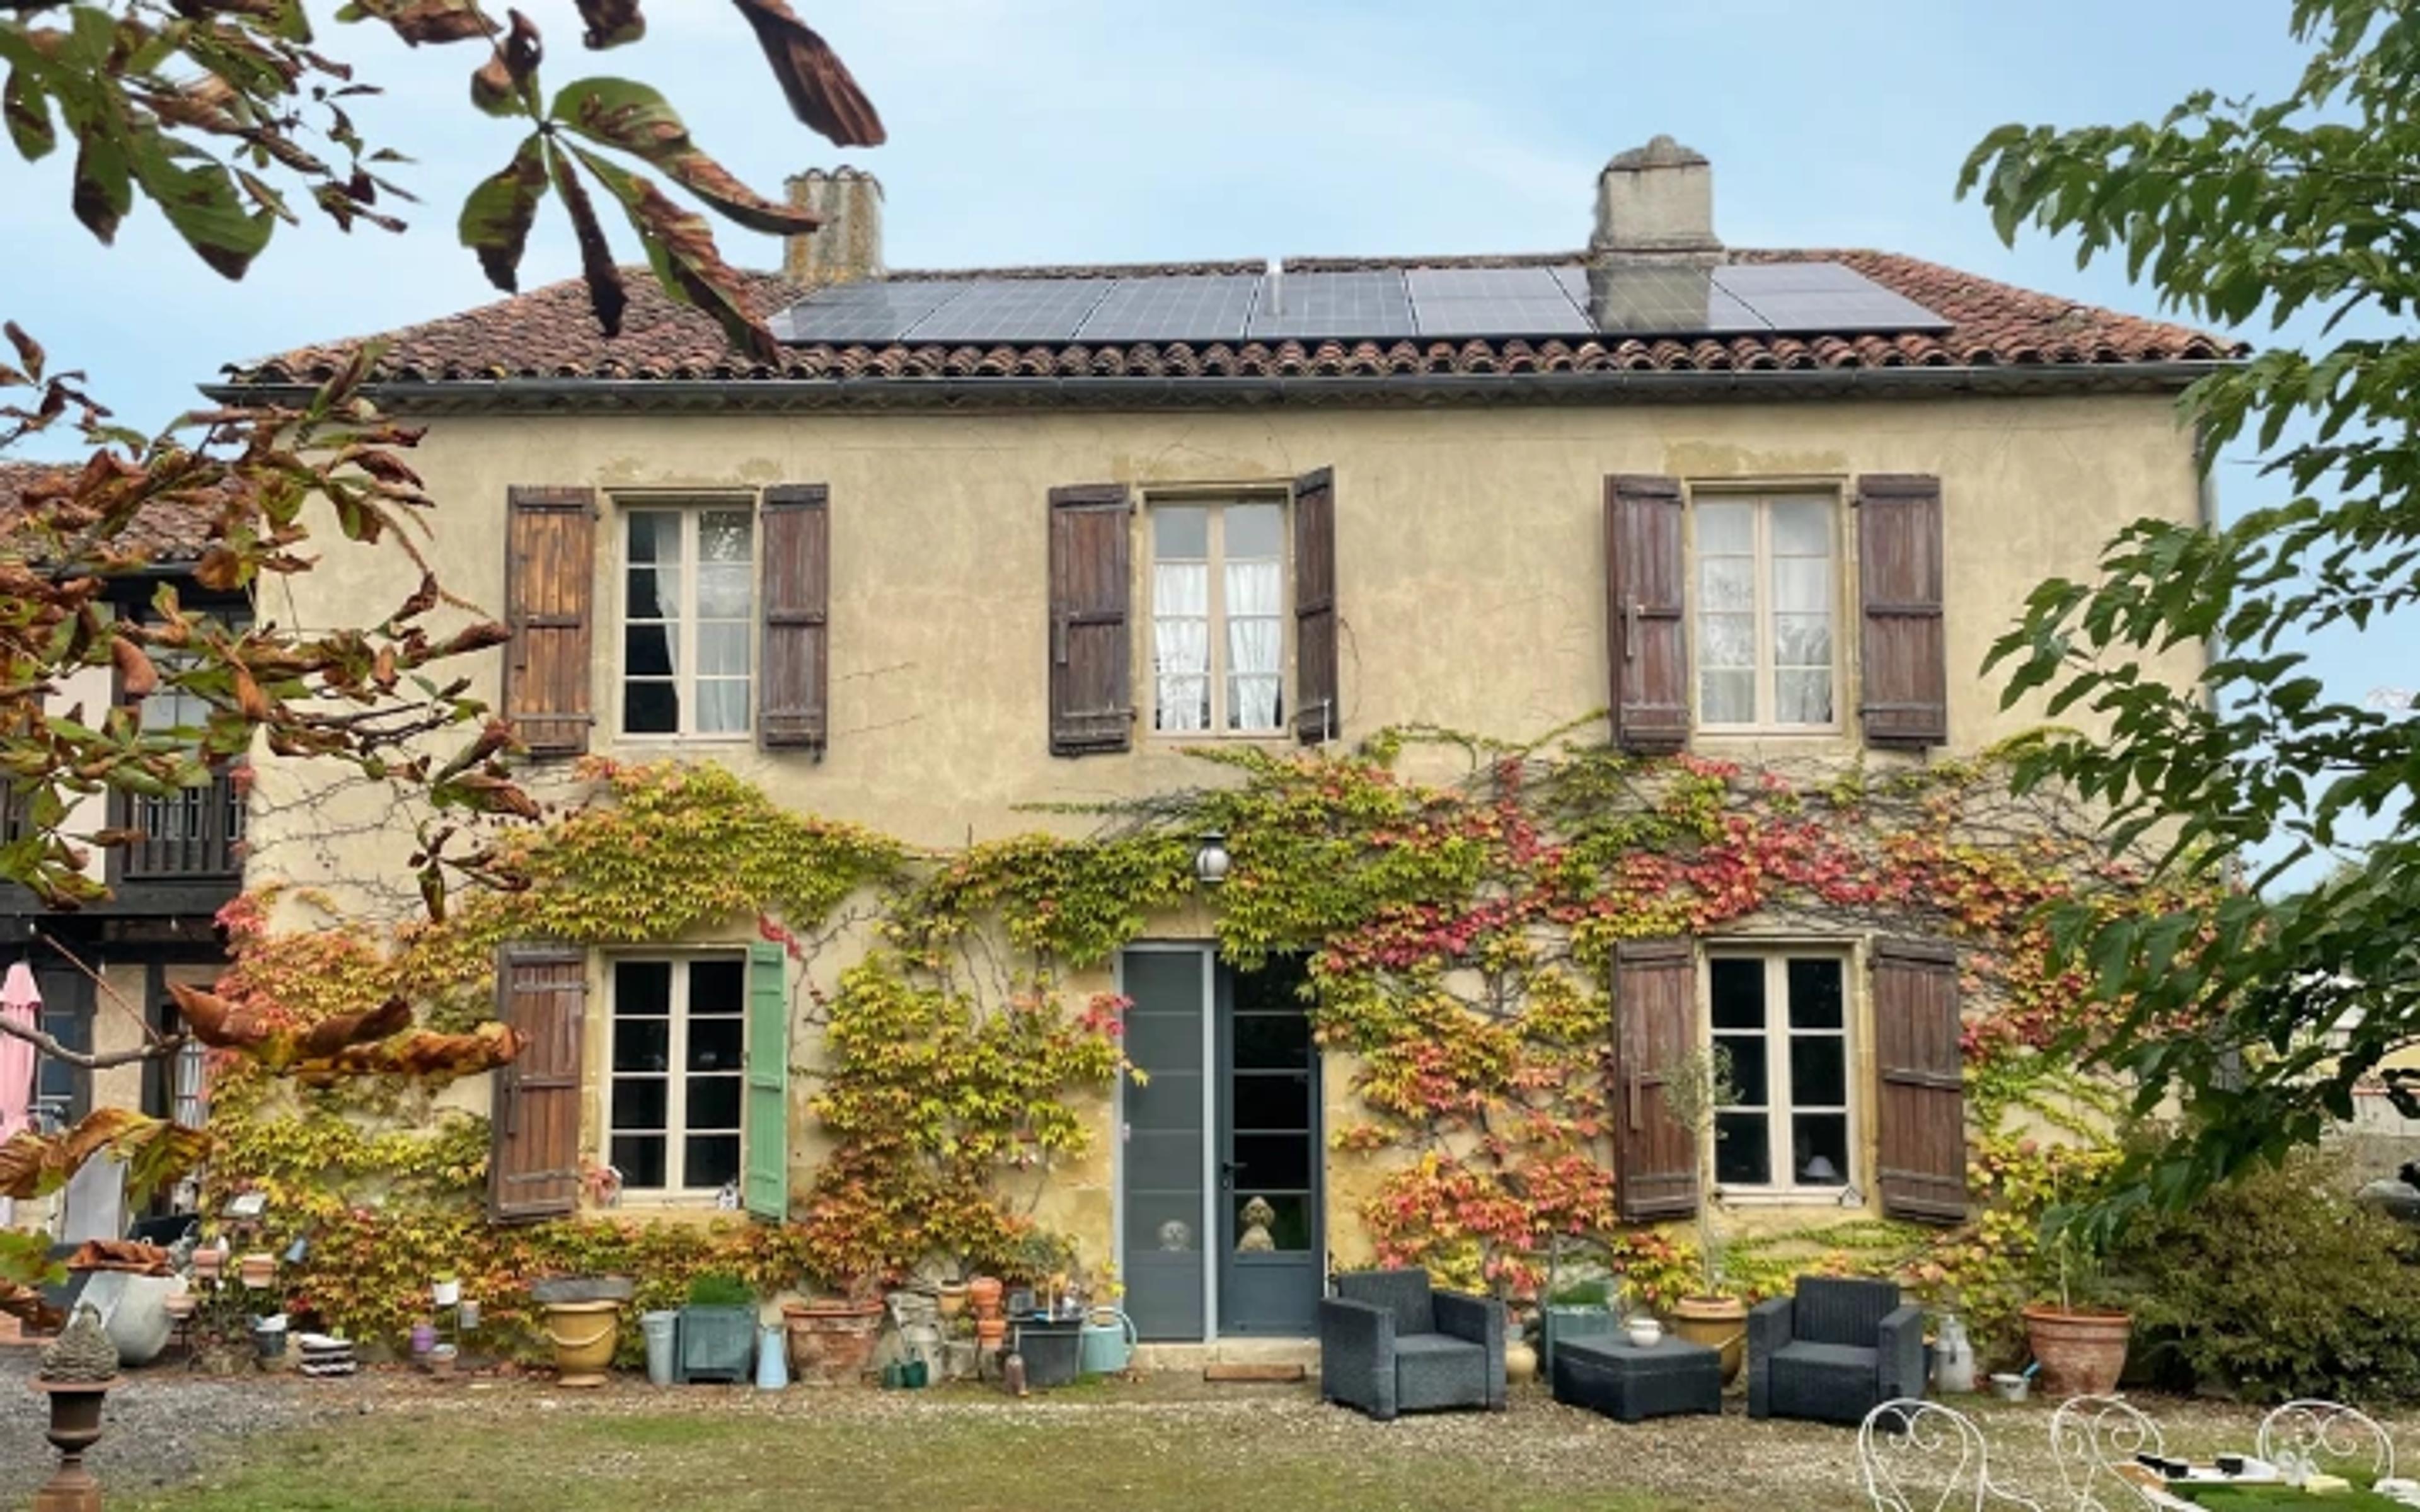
{"points": [[549, 580], [765, 1185], [1922, 1112], [1317, 714], [534, 1161], [1092, 589], [797, 601], [1648, 629], [1655, 1017], [1904, 650]]}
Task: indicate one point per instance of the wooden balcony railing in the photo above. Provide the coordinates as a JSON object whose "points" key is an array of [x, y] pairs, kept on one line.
{"points": [[193, 834]]}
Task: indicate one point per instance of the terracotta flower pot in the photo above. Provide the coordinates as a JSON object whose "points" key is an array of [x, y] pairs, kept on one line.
{"points": [[1719, 1323], [832, 1342], [2082, 1353], [991, 1331], [984, 1291], [951, 1297]]}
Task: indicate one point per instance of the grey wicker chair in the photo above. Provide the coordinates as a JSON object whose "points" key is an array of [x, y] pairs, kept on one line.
{"points": [[1390, 1344], [1834, 1351]]}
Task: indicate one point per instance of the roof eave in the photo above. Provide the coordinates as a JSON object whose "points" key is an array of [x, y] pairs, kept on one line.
{"points": [[586, 394]]}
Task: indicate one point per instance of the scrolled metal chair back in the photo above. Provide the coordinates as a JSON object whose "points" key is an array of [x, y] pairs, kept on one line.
{"points": [[2329, 1435], [2089, 1437], [1922, 1457]]}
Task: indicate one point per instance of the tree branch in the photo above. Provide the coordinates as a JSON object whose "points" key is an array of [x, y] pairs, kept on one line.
{"points": [[85, 1058]]}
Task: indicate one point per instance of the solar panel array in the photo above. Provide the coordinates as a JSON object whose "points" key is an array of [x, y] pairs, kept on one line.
{"points": [[1379, 305]]}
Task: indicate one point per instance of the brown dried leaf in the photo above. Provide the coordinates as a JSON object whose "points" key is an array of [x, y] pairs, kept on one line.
{"points": [[136, 676], [618, 112], [612, 23], [605, 293], [31, 1165], [338, 1030], [250, 699], [523, 50], [424, 21], [29, 351], [821, 91], [681, 247], [216, 1021]]}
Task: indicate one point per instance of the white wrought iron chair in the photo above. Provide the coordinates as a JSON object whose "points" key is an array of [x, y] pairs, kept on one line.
{"points": [[2331, 1435], [1922, 1457], [2089, 1437]]}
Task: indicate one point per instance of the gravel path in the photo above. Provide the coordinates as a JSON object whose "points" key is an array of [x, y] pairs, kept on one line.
{"points": [[158, 1429]]}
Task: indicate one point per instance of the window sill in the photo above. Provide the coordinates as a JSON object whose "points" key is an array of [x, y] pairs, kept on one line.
{"points": [[1793, 1196], [743, 737], [1770, 731], [1175, 739]]}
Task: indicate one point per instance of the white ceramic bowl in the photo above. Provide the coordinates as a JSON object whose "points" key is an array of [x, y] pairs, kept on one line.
{"points": [[1645, 1333]]}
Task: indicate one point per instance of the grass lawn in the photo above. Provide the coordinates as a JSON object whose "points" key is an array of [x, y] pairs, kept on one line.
{"points": [[523, 1447]]}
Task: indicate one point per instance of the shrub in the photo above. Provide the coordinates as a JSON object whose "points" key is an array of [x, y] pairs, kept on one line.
{"points": [[714, 1289], [2279, 1285]]}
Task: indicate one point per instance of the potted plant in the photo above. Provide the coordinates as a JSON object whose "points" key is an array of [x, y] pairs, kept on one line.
{"points": [[583, 1322], [833, 1338], [2079, 1329], [1697, 1082], [717, 1330]]}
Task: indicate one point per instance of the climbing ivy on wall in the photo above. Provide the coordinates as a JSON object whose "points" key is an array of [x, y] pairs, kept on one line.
{"points": [[1459, 930]]}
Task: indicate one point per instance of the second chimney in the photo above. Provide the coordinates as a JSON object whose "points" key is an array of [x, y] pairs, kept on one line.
{"points": [[849, 245]]}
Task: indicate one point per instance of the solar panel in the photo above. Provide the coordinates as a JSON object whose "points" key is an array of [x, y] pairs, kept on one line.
{"points": [[1013, 309], [1334, 304], [1823, 297], [1492, 301], [1186, 308], [871, 311], [1664, 301]]}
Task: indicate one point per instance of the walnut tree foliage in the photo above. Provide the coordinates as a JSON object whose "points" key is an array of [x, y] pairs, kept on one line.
{"points": [[2261, 1020]]}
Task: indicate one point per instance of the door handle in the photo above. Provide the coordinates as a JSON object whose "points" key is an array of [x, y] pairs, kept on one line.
{"points": [[1226, 1175]]}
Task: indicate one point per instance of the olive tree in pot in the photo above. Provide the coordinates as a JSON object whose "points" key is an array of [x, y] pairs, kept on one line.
{"points": [[2079, 1330], [1696, 1083]]}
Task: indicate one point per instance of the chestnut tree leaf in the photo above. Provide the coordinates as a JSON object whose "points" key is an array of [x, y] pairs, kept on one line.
{"points": [[28, 113], [612, 23], [822, 93], [618, 112], [605, 292], [497, 216], [424, 21], [680, 246]]}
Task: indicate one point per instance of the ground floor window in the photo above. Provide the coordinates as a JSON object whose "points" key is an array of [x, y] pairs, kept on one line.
{"points": [[1783, 1017], [680, 1047]]}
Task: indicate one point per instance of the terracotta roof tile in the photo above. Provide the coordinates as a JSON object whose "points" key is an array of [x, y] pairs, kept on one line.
{"points": [[548, 332], [164, 531]]}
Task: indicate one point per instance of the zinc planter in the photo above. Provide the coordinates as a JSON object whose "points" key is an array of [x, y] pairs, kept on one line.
{"points": [[832, 1342], [1719, 1323], [2082, 1354], [718, 1342]]}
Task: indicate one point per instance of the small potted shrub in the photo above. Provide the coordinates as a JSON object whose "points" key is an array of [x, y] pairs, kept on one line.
{"points": [[1695, 1085], [2079, 1329], [718, 1330]]}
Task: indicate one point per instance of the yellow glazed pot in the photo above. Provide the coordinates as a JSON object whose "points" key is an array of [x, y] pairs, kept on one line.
{"points": [[1719, 1323], [583, 1335]]}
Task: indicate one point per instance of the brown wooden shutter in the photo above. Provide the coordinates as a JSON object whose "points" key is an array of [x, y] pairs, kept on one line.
{"points": [[533, 1159], [1921, 1117], [1318, 714], [1646, 566], [797, 608], [1092, 589], [1656, 1018], [1905, 652], [549, 580]]}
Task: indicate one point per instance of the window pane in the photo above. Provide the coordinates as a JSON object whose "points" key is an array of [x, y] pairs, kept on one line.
{"points": [[1726, 640], [1277, 1100], [1183, 704], [714, 1044], [651, 593], [1254, 531], [1290, 1232], [640, 1158], [1270, 1039], [1748, 1069], [718, 984], [1272, 1161], [1802, 526], [1738, 991], [641, 1044], [1252, 704], [722, 536], [639, 1101], [1181, 591], [722, 593], [650, 709], [1802, 641], [1819, 1073], [642, 987], [655, 535], [1254, 589], [1725, 583], [1728, 697], [713, 1103], [712, 1160], [1803, 697], [1726, 529], [722, 707], [1743, 1149], [648, 651], [1814, 994], [722, 650], [1180, 530], [1802, 586], [1819, 1149]]}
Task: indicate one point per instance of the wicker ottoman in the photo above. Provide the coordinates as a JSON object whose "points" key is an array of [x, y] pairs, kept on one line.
{"points": [[1619, 1378]]}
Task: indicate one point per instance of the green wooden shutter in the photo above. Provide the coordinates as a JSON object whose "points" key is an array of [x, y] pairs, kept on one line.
{"points": [[766, 1186]]}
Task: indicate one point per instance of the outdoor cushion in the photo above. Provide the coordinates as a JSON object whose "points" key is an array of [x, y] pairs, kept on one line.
{"points": [[1832, 1359], [1433, 1370]]}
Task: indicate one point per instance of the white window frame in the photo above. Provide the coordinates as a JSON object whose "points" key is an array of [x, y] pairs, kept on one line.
{"points": [[1775, 956], [1218, 504], [684, 675], [1767, 689], [676, 1131]]}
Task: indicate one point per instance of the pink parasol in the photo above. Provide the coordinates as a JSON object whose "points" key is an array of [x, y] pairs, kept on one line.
{"points": [[21, 1003]]}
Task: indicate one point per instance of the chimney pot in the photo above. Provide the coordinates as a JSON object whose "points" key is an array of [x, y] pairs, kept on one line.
{"points": [[849, 245], [1657, 199]]}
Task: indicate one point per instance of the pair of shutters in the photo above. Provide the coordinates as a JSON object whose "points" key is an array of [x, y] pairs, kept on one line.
{"points": [[1919, 1108], [549, 593], [1904, 652], [533, 1159], [1091, 611]]}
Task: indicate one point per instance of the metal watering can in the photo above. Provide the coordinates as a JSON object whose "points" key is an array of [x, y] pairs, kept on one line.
{"points": [[1108, 1341]]}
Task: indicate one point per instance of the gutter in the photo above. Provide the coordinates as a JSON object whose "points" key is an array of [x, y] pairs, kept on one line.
{"points": [[585, 395]]}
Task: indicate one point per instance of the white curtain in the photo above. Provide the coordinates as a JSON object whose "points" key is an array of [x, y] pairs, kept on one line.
{"points": [[1255, 643], [1180, 632]]}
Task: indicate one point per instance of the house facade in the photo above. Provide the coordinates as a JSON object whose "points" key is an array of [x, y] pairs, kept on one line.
{"points": [[989, 543]]}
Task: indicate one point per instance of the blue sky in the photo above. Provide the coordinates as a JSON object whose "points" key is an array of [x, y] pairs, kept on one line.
{"points": [[1035, 131]]}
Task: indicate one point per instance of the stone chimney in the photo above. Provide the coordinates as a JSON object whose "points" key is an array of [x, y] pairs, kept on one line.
{"points": [[1654, 248], [849, 245]]}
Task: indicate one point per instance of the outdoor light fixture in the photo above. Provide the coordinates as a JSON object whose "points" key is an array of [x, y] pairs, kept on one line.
{"points": [[1210, 862]]}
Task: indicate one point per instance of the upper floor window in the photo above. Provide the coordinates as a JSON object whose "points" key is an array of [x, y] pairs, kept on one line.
{"points": [[1783, 1017], [687, 627], [673, 1111], [1767, 585], [1217, 617]]}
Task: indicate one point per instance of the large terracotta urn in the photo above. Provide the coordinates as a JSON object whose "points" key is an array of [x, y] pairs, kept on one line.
{"points": [[832, 1341], [2082, 1351], [1719, 1323]]}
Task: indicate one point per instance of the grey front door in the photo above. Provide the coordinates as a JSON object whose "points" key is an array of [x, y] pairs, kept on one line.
{"points": [[1270, 1269]]}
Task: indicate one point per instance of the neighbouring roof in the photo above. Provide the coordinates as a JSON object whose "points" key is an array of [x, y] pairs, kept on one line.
{"points": [[166, 531], [548, 333]]}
